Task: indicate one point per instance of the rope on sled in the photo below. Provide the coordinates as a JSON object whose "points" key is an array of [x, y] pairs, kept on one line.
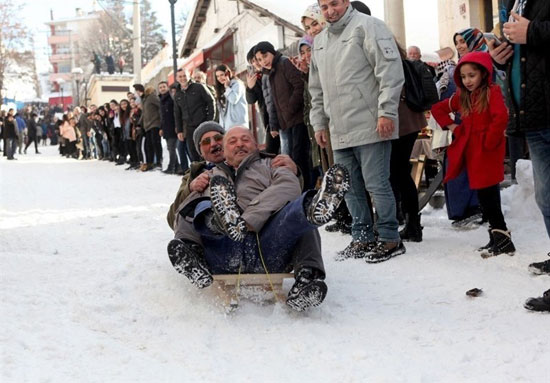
{"points": [[265, 268]]}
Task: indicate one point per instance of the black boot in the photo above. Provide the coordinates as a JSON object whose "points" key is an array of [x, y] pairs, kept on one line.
{"points": [[224, 204], [540, 268], [412, 232], [489, 244], [309, 290], [539, 304], [187, 259], [502, 244]]}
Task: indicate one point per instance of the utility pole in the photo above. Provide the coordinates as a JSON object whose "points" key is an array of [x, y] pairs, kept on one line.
{"points": [[137, 43], [174, 48], [394, 15]]}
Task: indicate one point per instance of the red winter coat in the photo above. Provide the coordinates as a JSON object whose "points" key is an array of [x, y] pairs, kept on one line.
{"points": [[479, 143]]}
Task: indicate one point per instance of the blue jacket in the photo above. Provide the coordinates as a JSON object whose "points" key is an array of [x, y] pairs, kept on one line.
{"points": [[20, 123]]}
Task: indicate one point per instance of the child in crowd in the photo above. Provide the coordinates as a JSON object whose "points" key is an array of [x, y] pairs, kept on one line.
{"points": [[479, 143]]}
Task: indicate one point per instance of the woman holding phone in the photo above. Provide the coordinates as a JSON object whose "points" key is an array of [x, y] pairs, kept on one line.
{"points": [[231, 99]]}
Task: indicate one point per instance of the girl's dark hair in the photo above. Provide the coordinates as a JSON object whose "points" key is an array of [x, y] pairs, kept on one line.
{"points": [[220, 88], [480, 96], [124, 114]]}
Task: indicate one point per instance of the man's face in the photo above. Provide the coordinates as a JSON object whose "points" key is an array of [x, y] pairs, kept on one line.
{"points": [[181, 78], [113, 106], [197, 77], [93, 108], [333, 10], [238, 144], [211, 146], [413, 54], [163, 88], [265, 59]]}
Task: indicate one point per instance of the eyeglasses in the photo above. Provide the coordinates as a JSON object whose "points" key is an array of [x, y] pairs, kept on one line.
{"points": [[208, 140]]}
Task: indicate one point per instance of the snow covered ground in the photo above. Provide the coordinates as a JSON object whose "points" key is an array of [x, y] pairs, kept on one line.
{"points": [[88, 295]]}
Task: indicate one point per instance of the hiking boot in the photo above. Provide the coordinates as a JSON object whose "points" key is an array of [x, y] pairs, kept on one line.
{"points": [[539, 304], [224, 204], [502, 244], [384, 251], [341, 226], [469, 223], [309, 290], [489, 244], [412, 232], [330, 195], [355, 250], [540, 268], [187, 259]]}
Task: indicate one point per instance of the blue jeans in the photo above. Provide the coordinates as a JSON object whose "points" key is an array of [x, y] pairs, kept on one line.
{"points": [[277, 240], [539, 148], [369, 168]]}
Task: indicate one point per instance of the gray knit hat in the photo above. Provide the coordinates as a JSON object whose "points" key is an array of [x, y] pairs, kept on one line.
{"points": [[205, 127]]}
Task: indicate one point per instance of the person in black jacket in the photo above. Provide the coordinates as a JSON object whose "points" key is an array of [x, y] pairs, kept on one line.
{"points": [[527, 60], [193, 104], [10, 136], [32, 133], [255, 93], [168, 126]]}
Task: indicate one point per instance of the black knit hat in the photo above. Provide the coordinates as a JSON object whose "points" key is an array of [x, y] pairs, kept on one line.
{"points": [[265, 46]]}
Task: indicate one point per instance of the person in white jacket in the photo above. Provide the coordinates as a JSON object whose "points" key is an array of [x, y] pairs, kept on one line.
{"points": [[231, 97]]}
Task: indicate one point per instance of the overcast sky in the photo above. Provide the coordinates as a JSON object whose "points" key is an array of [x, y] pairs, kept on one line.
{"points": [[420, 19]]}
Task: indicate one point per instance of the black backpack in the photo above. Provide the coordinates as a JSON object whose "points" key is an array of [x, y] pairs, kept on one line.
{"points": [[420, 90]]}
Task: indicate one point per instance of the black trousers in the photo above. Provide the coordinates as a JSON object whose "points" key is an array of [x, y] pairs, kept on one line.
{"points": [[489, 200], [272, 144], [300, 152], [400, 173], [190, 143], [131, 148], [32, 139]]}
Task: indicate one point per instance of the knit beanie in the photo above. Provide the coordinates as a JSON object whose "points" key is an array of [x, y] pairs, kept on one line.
{"points": [[205, 127], [265, 46]]}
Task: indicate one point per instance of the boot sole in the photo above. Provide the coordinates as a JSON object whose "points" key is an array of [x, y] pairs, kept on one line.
{"points": [[335, 185], [537, 271], [198, 275], [310, 296], [224, 203], [486, 254]]}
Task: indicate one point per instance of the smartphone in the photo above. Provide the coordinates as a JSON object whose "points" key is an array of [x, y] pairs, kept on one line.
{"points": [[250, 70], [492, 36]]}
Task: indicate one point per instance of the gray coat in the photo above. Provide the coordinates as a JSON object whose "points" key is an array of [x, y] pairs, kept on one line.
{"points": [[261, 192], [151, 111], [355, 77]]}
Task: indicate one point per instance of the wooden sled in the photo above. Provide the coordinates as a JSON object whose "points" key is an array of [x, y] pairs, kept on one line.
{"points": [[229, 294]]}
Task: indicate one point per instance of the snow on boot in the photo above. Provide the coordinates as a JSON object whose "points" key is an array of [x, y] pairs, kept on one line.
{"points": [[539, 304], [330, 195], [502, 244], [489, 245], [540, 268], [384, 251], [412, 232], [224, 204], [355, 250], [308, 291], [187, 259]]}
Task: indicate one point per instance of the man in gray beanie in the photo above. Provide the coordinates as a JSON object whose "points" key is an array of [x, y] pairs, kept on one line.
{"points": [[205, 127]]}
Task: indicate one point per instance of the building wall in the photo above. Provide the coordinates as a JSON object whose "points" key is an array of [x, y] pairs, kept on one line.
{"points": [[455, 15], [98, 95]]}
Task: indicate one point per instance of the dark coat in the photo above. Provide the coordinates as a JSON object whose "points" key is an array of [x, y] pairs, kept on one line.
{"points": [[10, 131], [192, 106], [256, 95], [167, 122], [270, 105], [31, 128], [533, 113], [287, 89], [479, 144]]}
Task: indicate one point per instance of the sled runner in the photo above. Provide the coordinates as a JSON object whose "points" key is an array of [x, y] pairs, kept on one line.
{"points": [[228, 287], [428, 194]]}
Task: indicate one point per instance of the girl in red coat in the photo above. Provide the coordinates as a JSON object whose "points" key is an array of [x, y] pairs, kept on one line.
{"points": [[479, 144]]}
